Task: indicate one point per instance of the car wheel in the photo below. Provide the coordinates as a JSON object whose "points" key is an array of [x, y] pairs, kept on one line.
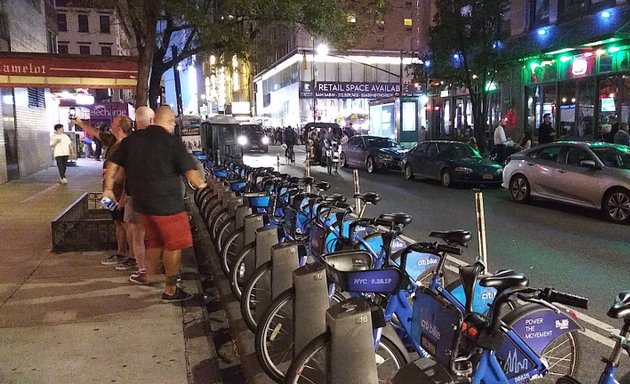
{"points": [[371, 167], [446, 178], [408, 172], [342, 160], [519, 189], [616, 205]]}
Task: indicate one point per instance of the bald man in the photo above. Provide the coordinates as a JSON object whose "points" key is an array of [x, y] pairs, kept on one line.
{"points": [[154, 161], [135, 231]]}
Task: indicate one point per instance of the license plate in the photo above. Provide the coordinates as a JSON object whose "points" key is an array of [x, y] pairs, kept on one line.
{"points": [[487, 177]]}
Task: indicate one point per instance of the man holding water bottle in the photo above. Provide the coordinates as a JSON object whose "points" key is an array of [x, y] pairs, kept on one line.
{"points": [[153, 160]]}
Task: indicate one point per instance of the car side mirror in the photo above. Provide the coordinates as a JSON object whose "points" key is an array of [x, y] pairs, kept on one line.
{"points": [[590, 164]]}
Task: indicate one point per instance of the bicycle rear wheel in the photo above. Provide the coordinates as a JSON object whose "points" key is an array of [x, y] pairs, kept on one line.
{"points": [[309, 366], [563, 357]]}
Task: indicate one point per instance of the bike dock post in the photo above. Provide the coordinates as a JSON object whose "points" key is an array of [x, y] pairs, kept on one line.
{"points": [[310, 304], [284, 260], [351, 351], [481, 228], [307, 171], [266, 238], [357, 190], [278, 163], [252, 223], [239, 216]]}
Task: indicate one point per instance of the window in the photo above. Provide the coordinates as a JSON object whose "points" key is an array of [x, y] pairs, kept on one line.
{"points": [[106, 51], [84, 25], [62, 22], [62, 48], [612, 157], [84, 49], [539, 11], [352, 19], [575, 156], [380, 23], [105, 24], [432, 151], [549, 153], [354, 142], [36, 98]]}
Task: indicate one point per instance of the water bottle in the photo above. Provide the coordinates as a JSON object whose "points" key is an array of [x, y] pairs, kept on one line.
{"points": [[108, 203]]}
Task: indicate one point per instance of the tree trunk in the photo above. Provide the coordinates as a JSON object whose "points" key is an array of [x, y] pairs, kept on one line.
{"points": [[154, 86], [145, 58]]}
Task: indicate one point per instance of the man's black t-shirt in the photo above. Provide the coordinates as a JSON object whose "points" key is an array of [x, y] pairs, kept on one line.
{"points": [[154, 162]]}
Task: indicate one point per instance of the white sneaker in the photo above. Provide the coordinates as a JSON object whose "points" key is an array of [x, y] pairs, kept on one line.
{"points": [[64, 181]]}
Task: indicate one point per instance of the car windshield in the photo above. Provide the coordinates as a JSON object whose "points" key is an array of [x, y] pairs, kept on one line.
{"points": [[461, 151], [249, 129], [381, 142], [613, 157]]}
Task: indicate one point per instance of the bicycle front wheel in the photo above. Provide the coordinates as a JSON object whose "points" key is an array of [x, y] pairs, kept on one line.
{"points": [[310, 365], [239, 273], [259, 284]]}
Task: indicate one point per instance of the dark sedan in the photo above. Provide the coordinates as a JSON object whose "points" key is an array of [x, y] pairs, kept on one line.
{"points": [[450, 162], [371, 153]]}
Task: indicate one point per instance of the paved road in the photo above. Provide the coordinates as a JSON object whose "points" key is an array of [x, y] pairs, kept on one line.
{"points": [[568, 248]]}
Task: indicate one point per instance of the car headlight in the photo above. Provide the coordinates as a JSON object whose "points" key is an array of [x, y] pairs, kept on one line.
{"points": [[463, 170], [241, 140], [265, 140]]}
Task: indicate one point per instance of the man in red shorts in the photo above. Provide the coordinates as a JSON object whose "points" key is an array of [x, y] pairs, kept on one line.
{"points": [[153, 160]]}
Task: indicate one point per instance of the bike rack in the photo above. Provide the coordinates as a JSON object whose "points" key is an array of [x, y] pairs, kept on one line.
{"points": [[284, 260], [351, 349], [250, 224], [266, 238], [239, 216], [309, 305]]}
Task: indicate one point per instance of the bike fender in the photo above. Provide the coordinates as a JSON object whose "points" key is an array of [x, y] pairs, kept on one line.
{"points": [[538, 325]]}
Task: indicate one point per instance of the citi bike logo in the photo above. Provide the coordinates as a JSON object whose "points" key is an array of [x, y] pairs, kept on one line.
{"points": [[488, 294], [426, 262], [430, 328]]}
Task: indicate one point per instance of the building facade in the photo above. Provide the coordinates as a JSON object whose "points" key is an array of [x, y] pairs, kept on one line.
{"points": [[296, 82], [26, 124]]}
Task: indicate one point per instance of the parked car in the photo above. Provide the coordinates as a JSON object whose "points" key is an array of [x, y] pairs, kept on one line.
{"points": [[253, 136], [450, 162], [371, 153], [589, 174]]}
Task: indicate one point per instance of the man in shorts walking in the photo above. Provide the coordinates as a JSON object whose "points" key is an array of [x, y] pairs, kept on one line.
{"points": [[153, 161]]}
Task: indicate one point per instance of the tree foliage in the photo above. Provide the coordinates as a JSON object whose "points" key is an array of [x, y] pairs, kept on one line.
{"points": [[467, 50], [225, 27]]}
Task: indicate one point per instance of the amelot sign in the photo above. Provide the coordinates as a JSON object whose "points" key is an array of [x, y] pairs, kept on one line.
{"points": [[22, 69]]}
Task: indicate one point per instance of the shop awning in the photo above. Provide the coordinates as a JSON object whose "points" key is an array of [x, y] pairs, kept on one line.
{"points": [[582, 33], [43, 70]]}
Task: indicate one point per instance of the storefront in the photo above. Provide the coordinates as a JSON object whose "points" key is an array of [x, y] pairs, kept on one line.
{"points": [[581, 91]]}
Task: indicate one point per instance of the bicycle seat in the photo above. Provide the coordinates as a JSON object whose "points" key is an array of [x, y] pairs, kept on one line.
{"points": [[323, 185], [308, 180], [458, 236], [368, 197], [621, 308], [397, 218], [504, 279], [293, 179], [335, 198]]}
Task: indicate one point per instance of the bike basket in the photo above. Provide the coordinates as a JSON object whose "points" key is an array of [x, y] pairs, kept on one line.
{"points": [[257, 200], [436, 326]]}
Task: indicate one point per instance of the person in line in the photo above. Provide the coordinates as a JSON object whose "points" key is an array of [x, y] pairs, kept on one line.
{"points": [[622, 137], [121, 127], [62, 148], [500, 142], [290, 137], [135, 231], [154, 160], [524, 143], [609, 136], [473, 142], [546, 133]]}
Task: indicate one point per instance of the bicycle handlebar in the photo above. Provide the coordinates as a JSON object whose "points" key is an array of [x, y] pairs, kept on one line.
{"points": [[550, 294]]}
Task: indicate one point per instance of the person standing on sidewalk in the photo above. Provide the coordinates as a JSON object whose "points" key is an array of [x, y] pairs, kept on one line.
{"points": [[62, 147], [135, 230], [154, 161], [121, 127]]}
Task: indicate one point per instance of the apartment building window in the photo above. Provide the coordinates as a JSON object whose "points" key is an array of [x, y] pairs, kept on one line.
{"points": [[106, 51], [62, 48], [51, 41], [408, 23], [36, 98], [105, 24], [84, 49], [539, 12], [84, 24], [380, 23], [352, 18], [62, 22]]}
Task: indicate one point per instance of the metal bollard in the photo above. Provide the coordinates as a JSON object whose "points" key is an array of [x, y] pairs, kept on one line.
{"points": [[351, 349], [278, 162], [307, 171], [284, 260], [309, 305], [357, 190], [481, 228]]}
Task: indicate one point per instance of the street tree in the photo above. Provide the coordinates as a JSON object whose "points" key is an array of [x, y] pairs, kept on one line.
{"points": [[228, 27], [467, 50]]}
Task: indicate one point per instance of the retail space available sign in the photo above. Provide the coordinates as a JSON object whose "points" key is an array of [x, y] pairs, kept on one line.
{"points": [[79, 71], [347, 90]]}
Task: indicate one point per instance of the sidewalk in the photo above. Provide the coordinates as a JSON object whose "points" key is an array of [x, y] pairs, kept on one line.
{"points": [[65, 318]]}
